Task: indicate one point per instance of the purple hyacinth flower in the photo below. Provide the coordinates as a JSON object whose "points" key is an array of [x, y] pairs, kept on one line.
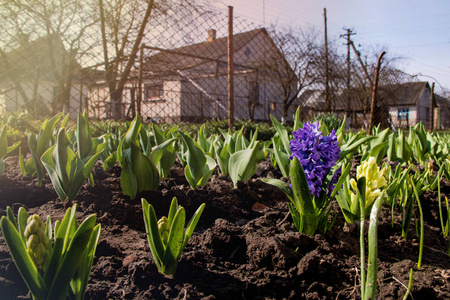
{"points": [[316, 153]]}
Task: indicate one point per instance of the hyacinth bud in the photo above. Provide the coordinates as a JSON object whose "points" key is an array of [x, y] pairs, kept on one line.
{"points": [[375, 180], [37, 241], [163, 227]]}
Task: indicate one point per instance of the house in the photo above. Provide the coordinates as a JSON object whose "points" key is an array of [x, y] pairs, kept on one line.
{"points": [[407, 103], [354, 103], [442, 115], [397, 105], [190, 83], [33, 78]]}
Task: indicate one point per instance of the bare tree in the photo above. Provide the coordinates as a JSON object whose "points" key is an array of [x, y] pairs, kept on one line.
{"points": [[62, 26], [122, 27], [298, 66]]}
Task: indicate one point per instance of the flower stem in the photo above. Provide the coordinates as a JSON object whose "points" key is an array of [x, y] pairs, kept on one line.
{"points": [[362, 246], [372, 268]]}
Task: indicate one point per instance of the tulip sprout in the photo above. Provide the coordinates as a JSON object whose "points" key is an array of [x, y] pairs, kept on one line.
{"points": [[167, 236]]}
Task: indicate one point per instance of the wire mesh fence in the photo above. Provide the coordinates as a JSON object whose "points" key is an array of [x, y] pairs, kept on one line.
{"points": [[175, 61]]}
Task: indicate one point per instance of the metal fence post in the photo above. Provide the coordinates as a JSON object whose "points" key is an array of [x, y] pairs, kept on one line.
{"points": [[374, 93], [432, 108], [230, 68]]}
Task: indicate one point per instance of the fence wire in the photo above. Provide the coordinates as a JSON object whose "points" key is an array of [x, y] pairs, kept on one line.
{"points": [[171, 61]]}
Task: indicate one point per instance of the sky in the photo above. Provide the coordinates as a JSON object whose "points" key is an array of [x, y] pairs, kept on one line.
{"points": [[417, 31]]}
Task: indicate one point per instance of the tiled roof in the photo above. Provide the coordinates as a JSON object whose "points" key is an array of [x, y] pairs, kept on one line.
{"points": [[193, 55], [402, 94]]}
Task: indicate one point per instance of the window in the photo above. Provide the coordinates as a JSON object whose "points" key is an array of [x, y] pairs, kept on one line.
{"points": [[403, 113], [153, 92], [253, 92]]}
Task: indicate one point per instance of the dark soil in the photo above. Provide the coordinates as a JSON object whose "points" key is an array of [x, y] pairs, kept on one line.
{"points": [[244, 247]]}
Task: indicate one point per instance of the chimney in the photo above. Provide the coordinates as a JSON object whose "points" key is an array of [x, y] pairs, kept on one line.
{"points": [[211, 35]]}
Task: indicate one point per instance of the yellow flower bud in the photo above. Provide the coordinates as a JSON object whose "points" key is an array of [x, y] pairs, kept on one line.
{"points": [[31, 228], [39, 254], [430, 168], [163, 227], [37, 241], [375, 180], [32, 241]]}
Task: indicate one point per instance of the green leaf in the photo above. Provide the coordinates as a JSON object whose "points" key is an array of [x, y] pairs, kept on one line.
{"points": [[284, 186], [297, 122], [22, 218], [192, 224], [282, 158], [158, 151], [282, 132], [196, 158], [296, 218], [391, 152], [352, 146], [2, 166], [378, 152], [62, 159], [84, 141], [80, 279], [208, 170], [71, 259], [47, 160], [222, 156], [45, 135], [10, 216], [76, 183], [147, 176], [58, 246], [172, 210], [110, 161], [202, 140], [243, 164], [341, 181], [175, 242], [154, 238], [128, 181], [21, 163], [3, 142], [302, 198]]}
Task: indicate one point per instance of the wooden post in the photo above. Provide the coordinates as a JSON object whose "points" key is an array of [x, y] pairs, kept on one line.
{"points": [[202, 114], [230, 69], [348, 74], [327, 87], [141, 67], [432, 108], [374, 93]]}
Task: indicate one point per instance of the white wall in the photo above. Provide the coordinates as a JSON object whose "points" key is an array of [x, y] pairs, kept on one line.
{"points": [[13, 101]]}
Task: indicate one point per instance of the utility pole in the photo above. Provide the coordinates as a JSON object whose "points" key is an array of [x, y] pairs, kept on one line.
{"points": [[347, 35], [327, 88]]}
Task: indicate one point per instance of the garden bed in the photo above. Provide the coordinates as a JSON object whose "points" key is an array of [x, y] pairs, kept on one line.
{"points": [[244, 247]]}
